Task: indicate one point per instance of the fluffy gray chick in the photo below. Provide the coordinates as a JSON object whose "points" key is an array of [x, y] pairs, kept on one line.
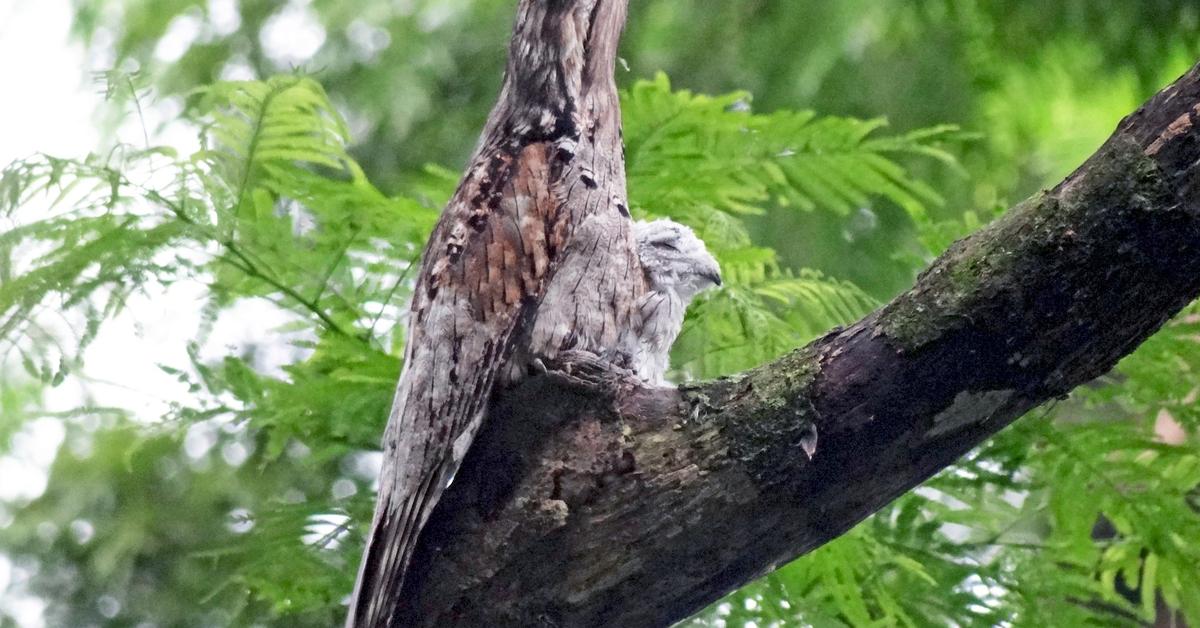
{"points": [[677, 268]]}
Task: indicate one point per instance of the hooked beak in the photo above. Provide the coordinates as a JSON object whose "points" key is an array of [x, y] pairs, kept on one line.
{"points": [[714, 277]]}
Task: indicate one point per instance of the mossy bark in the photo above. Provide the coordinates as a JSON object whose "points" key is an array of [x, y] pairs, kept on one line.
{"points": [[637, 507]]}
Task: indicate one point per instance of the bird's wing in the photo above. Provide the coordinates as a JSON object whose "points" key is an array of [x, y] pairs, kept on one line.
{"points": [[482, 273], [550, 156]]}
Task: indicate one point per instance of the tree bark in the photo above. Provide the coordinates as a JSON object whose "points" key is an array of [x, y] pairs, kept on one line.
{"points": [[620, 505]]}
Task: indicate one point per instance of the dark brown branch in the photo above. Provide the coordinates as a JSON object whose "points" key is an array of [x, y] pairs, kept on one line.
{"points": [[577, 509]]}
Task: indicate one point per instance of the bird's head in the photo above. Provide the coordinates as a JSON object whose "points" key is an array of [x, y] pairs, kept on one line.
{"points": [[673, 258]]}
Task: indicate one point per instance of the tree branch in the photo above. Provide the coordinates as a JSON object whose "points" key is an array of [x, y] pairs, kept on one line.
{"points": [[638, 507]]}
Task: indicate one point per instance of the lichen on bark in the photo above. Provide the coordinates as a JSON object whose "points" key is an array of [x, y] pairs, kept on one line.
{"points": [[1041, 256], [767, 415]]}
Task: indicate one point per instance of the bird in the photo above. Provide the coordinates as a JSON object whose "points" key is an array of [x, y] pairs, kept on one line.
{"points": [[620, 288], [533, 255], [493, 295], [676, 267]]}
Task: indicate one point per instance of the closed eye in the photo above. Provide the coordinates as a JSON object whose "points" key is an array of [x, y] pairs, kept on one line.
{"points": [[666, 245]]}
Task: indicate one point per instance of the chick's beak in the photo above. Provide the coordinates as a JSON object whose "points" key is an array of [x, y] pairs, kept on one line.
{"points": [[712, 273]]}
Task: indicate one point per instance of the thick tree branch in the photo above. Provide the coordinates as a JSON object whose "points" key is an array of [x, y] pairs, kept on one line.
{"points": [[640, 507]]}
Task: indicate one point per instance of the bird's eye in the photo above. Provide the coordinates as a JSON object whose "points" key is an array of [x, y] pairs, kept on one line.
{"points": [[662, 244]]}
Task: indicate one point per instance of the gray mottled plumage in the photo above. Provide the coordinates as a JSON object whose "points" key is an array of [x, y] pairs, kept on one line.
{"points": [[538, 221], [578, 312], [677, 267]]}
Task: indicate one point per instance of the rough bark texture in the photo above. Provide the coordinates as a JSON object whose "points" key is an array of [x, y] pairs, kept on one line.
{"points": [[637, 507]]}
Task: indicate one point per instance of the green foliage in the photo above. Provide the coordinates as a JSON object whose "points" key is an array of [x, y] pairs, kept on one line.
{"points": [[690, 154], [712, 163], [272, 207], [244, 504]]}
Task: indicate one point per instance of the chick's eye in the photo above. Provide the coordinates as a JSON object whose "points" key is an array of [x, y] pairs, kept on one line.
{"points": [[666, 245]]}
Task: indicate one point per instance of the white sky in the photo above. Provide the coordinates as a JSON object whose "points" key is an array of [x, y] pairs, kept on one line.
{"points": [[47, 106]]}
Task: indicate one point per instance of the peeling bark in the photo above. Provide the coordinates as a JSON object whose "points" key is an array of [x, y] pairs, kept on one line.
{"points": [[637, 507]]}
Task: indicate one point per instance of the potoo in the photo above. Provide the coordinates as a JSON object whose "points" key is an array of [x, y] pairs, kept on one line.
{"points": [[677, 267], [540, 217]]}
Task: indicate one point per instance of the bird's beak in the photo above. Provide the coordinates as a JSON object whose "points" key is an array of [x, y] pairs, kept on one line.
{"points": [[712, 273]]}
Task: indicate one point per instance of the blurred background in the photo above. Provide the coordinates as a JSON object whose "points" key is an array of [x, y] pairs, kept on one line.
{"points": [[105, 524]]}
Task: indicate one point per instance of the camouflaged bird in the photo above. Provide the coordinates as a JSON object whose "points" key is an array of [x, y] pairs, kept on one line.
{"points": [[676, 266], [540, 217]]}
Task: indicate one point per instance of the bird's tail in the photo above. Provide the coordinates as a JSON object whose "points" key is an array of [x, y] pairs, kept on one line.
{"points": [[397, 525]]}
